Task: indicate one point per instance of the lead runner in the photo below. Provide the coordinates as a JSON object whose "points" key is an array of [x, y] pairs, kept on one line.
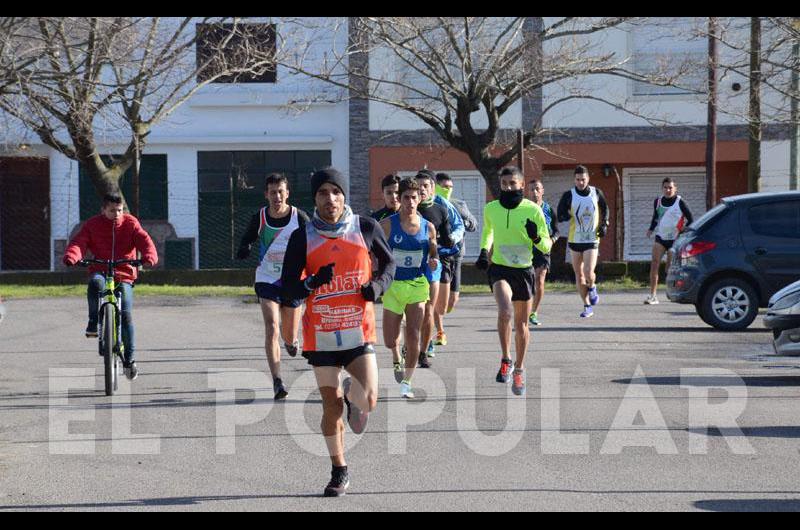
{"points": [[339, 321]]}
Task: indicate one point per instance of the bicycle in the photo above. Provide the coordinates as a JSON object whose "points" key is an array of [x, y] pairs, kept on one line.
{"points": [[110, 324]]}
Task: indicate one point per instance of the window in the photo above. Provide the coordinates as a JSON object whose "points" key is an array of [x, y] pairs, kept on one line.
{"points": [[244, 49], [231, 190], [780, 219], [669, 50], [153, 189]]}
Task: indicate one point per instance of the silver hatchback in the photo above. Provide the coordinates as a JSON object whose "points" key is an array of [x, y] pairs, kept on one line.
{"points": [[783, 318]]}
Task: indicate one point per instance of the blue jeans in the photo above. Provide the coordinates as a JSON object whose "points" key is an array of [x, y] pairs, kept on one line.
{"points": [[96, 285]]}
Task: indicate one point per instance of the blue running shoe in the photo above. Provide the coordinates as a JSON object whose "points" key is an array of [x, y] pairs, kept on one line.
{"points": [[594, 298], [431, 353], [587, 312]]}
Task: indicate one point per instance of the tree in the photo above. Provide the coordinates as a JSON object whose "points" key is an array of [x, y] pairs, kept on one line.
{"points": [[462, 76], [75, 77]]}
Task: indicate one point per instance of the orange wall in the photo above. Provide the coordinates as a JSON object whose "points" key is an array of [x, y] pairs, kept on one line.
{"points": [[731, 166]]}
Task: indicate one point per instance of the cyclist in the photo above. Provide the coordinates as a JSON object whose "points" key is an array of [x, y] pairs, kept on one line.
{"points": [[113, 235], [413, 243], [271, 226], [339, 320], [671, 215], [513, 225], [586, 210]]}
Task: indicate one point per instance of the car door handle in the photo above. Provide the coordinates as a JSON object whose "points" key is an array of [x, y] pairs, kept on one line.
{"points": [[761, 251]]}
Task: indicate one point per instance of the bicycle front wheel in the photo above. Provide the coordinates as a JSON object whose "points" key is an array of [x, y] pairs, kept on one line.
{"points": [[107, 349]]}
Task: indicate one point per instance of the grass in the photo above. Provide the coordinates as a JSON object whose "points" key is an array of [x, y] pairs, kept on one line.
{"points": [[623, 284], [11, 292], [58, 291]]}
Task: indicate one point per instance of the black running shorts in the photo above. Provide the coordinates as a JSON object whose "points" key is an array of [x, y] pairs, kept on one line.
{"points": [[667, 244], [520, 280], [582, 247], [340, 359]]}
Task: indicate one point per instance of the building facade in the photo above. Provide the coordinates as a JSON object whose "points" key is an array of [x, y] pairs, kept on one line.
{"points": [[203, 169]]}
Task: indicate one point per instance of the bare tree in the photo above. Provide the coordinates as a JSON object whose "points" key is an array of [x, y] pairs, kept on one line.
{"points": [[119, 76], [463, 76]]}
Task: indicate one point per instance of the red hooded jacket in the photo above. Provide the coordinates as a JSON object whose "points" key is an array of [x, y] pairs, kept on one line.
{"points": [[127, 236]]}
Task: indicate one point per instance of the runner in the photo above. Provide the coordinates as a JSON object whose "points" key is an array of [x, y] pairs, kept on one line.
{"points": [[339, 320], [512, 226], [391, 198], [271, 226], [586, 210], [113, 235], [671, 215], [541, 262], [451, 265], [437, 214], [413, 243]]}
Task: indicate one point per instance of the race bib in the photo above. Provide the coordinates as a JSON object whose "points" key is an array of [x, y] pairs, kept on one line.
{"points": [[585, 237], [340, 340], [407, 259], [515, 254]]}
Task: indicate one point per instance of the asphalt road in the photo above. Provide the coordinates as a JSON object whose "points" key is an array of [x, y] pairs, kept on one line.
{"points": [[614, 419]]}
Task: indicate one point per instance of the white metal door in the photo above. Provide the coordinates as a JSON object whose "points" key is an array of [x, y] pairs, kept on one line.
{"points": [[642, 187]]}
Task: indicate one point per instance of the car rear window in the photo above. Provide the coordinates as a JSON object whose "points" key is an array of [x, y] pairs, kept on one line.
{"points": [[706, 219], [776, 219]]}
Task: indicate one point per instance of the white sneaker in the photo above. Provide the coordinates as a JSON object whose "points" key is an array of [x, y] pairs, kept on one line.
{"points": [[405, 390], [651, 300]]}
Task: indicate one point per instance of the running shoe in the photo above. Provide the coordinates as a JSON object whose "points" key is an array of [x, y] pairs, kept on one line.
{"points": [[405, 390], [292, 349], [651, 300], [423, 361], [431, 353], [131, 371], [280, 390], [356, 418], [91, 330], [340, 481], [594, 298], [504, 374], [399, 372], [534, 319], [441, 339], [518, 384], [587, 312]]}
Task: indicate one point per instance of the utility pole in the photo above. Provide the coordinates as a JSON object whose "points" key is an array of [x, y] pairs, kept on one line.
{"points": [[754, 159], [794, 145], [711, 129], [521, 150]]}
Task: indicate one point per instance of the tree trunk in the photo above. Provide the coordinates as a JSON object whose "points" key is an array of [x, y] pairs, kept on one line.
{"points": [[754, 164]]}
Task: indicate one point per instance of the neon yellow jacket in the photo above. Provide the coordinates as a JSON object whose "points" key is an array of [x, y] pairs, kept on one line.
{"points": [[505, 229]]}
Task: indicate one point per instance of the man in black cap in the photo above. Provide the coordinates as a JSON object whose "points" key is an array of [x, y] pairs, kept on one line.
{"points": [[339, 321]]}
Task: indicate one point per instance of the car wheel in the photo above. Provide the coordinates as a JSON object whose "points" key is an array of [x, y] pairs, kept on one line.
{"points": [[702, 314], [730, 305]]}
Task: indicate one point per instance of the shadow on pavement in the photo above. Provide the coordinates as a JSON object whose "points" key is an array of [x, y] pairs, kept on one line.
{"points": [[714, 381], [751, 432], [749, 505]]}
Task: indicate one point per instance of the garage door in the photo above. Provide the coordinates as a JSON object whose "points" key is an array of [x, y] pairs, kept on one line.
{"points": [[469, 187], [644, 186]]}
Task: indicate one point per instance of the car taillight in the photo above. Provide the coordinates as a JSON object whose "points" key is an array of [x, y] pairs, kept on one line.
{"points": [[695, 248]]}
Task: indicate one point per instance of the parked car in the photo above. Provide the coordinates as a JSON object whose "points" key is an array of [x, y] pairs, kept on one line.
{"points": [[734, 258], [783, 318]]}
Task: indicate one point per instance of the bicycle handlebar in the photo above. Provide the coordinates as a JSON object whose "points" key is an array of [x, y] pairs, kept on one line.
{"points": [[109, 263]]}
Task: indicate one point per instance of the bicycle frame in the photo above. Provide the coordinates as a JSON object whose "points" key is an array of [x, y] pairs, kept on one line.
{"points": [[109, 297]]}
